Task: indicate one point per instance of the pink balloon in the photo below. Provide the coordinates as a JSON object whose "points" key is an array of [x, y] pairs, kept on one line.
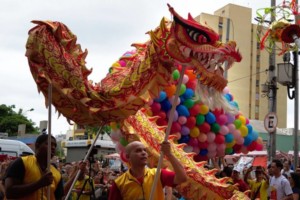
{"points": [[182, 120], [171, 100], [222, 119], [221, 147], [236, 134], [224, 130], [211, 137], [212, 147], [202, 137], [226, 90], [185, 79], [122, 63], [231, 128], [211, 154], [247, 121], [240, 140], [230, 118]]}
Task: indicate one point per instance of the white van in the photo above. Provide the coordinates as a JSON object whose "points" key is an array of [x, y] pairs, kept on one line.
{"points": [[14, 148]]}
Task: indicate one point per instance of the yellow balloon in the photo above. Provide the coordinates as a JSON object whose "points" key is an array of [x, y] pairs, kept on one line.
{"points": [[231, 144], [116, 64], [244, 130], [204, 109], [194, 132], [243, 119]]}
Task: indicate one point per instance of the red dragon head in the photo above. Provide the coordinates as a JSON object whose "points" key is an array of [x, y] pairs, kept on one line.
{"points": [[189, 43]]}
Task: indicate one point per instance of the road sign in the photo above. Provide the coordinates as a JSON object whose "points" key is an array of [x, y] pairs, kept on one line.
{"points": [[271, 122]]}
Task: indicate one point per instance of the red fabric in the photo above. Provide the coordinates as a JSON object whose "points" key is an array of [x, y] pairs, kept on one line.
{"points": [[260, 161], [166, 177], [241, 184]]}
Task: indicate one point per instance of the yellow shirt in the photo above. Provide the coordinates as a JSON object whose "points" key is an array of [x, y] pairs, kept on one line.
{"points": [[33, 174], [263, 191], [78, 186], [132, 189]]}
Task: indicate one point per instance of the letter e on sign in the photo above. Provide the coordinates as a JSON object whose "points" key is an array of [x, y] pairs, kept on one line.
{"points": [[271, 122]]}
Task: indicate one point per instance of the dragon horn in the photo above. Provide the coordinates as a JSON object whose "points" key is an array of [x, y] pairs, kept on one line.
{"points": [[163, 24], [154, 38]]}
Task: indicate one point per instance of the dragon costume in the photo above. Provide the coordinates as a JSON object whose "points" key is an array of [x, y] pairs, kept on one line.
{"points": [[55, 58]]}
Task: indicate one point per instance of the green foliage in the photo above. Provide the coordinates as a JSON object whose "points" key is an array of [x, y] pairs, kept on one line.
{"points": [[10, 120]]}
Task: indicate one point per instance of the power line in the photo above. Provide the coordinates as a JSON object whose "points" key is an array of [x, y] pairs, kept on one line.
{"points": [[249, 76]]}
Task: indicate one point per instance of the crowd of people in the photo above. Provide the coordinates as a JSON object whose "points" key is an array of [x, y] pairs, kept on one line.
{"points": [[28, 177]]}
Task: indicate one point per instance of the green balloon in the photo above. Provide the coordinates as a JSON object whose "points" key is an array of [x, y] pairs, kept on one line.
{"points": [[200, 119], [215, 127], [237, 123], [123, 142], [228, 151], [189, 103], [182, 89], [176, 74]]}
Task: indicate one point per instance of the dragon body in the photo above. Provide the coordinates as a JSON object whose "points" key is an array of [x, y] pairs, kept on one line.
{"points": [[133, 82]]}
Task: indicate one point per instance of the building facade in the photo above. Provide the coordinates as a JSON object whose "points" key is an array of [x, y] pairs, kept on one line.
{"points": [[234, 22]]}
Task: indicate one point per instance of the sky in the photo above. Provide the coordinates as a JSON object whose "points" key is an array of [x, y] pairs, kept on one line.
{"points": [[106, 28]]}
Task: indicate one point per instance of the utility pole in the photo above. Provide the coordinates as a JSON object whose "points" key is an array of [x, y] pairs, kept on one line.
{"points": [[296, 100], [272, 92]]}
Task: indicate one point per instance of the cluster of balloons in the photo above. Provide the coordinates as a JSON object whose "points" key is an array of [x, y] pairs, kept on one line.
{"points": [[208, 133]]}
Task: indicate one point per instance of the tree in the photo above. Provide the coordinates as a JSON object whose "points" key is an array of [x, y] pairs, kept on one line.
{"points": [[10, 120]]}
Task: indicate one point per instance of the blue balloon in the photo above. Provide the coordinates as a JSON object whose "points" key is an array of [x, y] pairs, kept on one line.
{"points": [[210, 118], [166, 105], [182, 99], [234, 104], [189, 93], [254, 135], [203, 152], [183, 111], [228, 97], [162, 96], [250, 128], [229, 138], [247, 140], [184, 139]]}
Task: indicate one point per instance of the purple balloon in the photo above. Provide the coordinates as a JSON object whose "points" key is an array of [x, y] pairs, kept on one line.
{"points": [[230, 118], [185, 130]]}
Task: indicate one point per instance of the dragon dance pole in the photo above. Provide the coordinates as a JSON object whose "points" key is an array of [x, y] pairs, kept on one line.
{"points": [[85, 159], [49, 134], [171, 115]]}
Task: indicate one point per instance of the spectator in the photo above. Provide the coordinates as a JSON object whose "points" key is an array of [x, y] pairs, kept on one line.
{"points": [[84, 185], [259, 186], [287, 168], [136, 183], [295, 184], [237, 179], [280, 187]]}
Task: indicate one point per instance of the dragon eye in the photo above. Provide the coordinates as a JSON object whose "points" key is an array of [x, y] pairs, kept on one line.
{"points": [[197, 36]]}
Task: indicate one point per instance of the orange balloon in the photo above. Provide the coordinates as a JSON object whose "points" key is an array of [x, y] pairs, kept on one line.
{"points": [[190, 74], [170, 90]]}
